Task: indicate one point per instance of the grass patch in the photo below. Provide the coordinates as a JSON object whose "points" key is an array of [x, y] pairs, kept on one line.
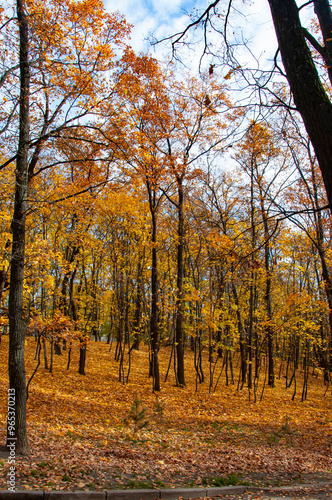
{"points": [[141, 485], [229, 480], [190, 484], [145, 485], [92, 486]]}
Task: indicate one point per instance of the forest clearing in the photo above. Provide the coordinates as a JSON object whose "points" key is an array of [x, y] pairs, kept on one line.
{"points": [[83, 434]]}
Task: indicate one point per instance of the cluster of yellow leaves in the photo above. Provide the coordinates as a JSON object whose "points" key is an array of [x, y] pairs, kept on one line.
{"points": [[6, 193], [58, 326]]}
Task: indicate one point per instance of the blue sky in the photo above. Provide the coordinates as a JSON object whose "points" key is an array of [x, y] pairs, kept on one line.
{"points": [[166, 17], [162, 17]]}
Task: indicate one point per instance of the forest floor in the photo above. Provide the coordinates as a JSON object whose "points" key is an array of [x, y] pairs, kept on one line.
{"points": [[83, 435]]}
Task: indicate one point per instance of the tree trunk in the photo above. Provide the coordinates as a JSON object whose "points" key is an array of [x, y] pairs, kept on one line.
{"points": [[154, 365], [3, 280], [17, 322], [267, 294], [243, 342], [45, 354], [250, 346], [179, 300], [308, 92], [323, 12], [138, 307], [81, 369], [252, 284]]}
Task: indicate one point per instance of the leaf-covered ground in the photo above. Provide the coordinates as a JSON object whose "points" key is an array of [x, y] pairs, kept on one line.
{"points": [[82, 435]]}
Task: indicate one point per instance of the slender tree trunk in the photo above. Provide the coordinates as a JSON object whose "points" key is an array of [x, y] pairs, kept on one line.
{"points": [[3, 279], [154, 334], [45, 354], [267, 295], [71, 253], [154, 319], [51, 357], [138, 307], [81, 368], [250, 330], [252, 287], [17, 322], [179, 300], [243, 342], [69, 357]]}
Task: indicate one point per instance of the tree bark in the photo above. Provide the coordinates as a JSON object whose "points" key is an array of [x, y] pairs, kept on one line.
{"points": [[268, 290], [138, 307], [268, 302], [17, 322], [179, 300], [309, 94], [82, 359], [324, 14], [154, 334]]}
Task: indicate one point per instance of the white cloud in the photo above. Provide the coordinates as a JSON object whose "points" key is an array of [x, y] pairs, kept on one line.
{"points": [[250, 22], [159, 18]]}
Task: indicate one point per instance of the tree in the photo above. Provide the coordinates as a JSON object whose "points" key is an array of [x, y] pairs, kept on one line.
{"points": [[176, 124], [256, 156], [196, 128], [50, 35], [307, 195], [17, 319], [310, 96], [145, 102], [302, 69]]}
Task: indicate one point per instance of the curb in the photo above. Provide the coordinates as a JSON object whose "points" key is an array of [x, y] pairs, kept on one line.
{"points": [[162, 494]]}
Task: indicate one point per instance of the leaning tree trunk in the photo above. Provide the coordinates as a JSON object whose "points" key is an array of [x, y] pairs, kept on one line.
{"points": [[17, 322], [308, 91], [324, 14]]}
